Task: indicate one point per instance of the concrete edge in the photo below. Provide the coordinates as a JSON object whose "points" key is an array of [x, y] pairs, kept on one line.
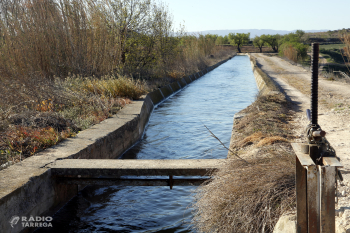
{"points": [[33, 192], [175, 86], [156, 96], [260, 82], [166, 91], [182, 83], [263, 90], [188, 79]]}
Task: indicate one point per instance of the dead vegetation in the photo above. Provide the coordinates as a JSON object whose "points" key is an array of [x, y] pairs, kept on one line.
{"points": [[68, 64], [266, 119], [251, 196], [38, 113], [246, 197]]}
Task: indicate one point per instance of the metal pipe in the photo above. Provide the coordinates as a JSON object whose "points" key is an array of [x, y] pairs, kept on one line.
{"points": [[319, 133]]}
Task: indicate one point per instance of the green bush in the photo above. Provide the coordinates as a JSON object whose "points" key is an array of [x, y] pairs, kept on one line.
{"points": [[292, 47]]}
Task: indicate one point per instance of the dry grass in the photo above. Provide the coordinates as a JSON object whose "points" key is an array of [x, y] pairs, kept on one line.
{"points": [[268, 116], [255, 137], [107, 86], [246, 197], [250, 197], [38, 113], [271, 140], [291, 53]]}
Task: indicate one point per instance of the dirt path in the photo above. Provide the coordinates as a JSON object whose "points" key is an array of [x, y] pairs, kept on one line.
{"points": [[334, 113]]}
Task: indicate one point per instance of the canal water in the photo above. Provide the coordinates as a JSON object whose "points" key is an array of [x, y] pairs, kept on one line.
{"points": [[176, 130]]}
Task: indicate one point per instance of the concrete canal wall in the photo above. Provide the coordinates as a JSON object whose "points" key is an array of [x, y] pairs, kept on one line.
{"points": [[27, 189], [266, 86], [264, 83]]}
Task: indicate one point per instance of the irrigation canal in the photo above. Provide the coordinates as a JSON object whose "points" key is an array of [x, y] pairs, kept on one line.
{"points": [[176, 130]]}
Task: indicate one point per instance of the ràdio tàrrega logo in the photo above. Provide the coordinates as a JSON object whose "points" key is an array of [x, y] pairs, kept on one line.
{"points": [[37, 221], [14, 220]]}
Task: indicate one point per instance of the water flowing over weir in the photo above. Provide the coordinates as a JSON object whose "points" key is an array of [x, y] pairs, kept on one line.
{"points": [[176, 130]]}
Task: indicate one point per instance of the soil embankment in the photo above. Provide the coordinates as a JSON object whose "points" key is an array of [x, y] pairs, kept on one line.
{"points": [[334, 109]]}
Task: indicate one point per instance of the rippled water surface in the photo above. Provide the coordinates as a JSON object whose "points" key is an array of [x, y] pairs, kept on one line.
{"points": [[176, 130]]}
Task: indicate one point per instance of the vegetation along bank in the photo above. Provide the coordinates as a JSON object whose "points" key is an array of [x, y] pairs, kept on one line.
{"points": [[67, 65]]}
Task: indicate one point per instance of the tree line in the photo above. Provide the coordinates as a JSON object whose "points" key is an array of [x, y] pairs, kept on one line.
{"points": [[290, 45]]}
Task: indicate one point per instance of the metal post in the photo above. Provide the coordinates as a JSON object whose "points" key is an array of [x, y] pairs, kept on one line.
{"points": [[314, 83]]}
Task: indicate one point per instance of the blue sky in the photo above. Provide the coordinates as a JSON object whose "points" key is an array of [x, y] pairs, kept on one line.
{"points": [[200, 15]]}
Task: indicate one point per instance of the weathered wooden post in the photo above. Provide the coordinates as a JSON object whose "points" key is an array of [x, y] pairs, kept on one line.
{"points": [[316, 170]]}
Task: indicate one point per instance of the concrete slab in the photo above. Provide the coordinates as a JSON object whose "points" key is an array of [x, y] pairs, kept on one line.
{"points": [[168, 181], [87, 168]]}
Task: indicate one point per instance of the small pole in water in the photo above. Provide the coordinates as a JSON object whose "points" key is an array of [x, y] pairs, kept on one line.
{"points": [[171, 182]]}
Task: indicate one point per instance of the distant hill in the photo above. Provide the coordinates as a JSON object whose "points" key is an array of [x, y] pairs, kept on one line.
{"points": [[253, 32]]}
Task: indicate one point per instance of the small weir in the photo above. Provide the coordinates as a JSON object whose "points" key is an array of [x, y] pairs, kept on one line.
{"points": [[176, 130]]}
